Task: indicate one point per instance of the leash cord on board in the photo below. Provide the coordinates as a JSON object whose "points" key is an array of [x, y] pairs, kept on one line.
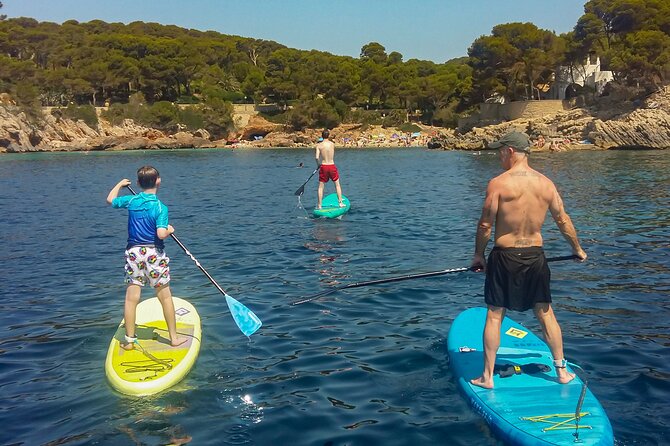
{"points": [[582, 395], [154, 364], [167, 363]]}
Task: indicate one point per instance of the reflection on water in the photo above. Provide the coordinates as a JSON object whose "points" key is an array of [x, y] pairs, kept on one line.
{"points": [[329, 231], [327, 234], [366, 365], [155, 426]]}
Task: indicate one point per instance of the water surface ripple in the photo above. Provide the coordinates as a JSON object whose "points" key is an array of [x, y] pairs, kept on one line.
{"points": [[358, 367]]}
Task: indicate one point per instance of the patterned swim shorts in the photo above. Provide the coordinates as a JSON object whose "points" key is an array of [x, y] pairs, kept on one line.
{"points": [[146, 264]]}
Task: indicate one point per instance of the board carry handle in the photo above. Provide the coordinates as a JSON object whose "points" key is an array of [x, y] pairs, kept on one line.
{"points": [[301, 189], [408, 277], [245, 319]]}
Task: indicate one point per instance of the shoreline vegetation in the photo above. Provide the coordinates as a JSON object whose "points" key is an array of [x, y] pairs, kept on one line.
{"points": [[609, 124], [112, 86]]}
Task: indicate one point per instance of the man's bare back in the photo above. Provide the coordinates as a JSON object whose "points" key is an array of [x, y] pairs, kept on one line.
{"points": [[523, 198], [325, 151], [516, 203]]}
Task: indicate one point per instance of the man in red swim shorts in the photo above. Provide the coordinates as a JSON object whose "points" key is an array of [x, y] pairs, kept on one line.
{"points": [[328, 172], [325, 155]]}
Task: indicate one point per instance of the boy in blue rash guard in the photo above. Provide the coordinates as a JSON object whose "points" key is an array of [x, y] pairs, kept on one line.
{"points": [[146, 262]]}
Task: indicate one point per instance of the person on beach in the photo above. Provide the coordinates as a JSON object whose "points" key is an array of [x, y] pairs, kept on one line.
{"points": [[517, 274], [146, 262], [325, 161]]}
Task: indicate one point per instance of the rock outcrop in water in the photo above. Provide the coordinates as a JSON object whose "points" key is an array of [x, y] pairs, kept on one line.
{"points": [[626, 125], [19, 134]]}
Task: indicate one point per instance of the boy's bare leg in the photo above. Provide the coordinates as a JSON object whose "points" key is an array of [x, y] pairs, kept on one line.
{"points": [[165, 297], [338, 189], [554, 338], [319, 194], [133, 293]]}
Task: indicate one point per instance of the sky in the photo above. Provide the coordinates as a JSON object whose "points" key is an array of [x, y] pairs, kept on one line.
{"points": [[436, 30]]}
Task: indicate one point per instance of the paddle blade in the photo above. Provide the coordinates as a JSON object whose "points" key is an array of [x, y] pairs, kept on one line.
{"points": [[245, 319], [301, 189]]}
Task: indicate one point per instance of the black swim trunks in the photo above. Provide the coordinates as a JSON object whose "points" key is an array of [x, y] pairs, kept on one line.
{"points": [[517, 278]]}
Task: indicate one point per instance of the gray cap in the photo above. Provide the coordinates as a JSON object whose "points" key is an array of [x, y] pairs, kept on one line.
{"points": [[517, 140]]}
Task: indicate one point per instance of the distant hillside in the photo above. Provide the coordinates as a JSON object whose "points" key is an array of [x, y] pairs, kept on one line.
{"points": [[98, 63]]}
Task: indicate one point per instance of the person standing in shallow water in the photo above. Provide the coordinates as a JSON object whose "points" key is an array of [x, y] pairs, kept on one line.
{"points": [[146, 262], [325, 161], [517, 273]]}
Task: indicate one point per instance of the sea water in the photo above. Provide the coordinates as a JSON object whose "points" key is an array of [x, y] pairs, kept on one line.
{"points": [[357, 367]]}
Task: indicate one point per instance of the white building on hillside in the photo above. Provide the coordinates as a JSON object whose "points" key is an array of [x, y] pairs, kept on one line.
{"points": [[567, 81]]}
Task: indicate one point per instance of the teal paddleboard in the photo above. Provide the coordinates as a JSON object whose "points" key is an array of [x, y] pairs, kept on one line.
{"points": [[330, 207], [527, 406]]}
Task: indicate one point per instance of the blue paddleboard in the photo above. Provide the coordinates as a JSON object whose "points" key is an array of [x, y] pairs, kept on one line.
{"points": [[527, 406], [330, 207]]}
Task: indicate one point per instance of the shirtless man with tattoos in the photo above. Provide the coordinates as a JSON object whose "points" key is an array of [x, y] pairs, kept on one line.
{"points": [[517, 274]]}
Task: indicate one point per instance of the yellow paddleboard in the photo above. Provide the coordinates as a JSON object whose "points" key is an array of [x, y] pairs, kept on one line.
{"points": [[154, 365]]}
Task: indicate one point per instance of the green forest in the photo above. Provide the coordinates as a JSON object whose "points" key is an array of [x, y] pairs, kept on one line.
{"points": [[146, 70]]}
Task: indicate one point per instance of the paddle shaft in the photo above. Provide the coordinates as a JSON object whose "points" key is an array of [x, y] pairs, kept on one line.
{"points": [[408, 277], [188, 253], [197, 263], [301, 189]]}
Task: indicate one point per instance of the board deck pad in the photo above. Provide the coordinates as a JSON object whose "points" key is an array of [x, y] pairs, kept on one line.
{"points": [[330, 207], [530, 408], [154, 365]]}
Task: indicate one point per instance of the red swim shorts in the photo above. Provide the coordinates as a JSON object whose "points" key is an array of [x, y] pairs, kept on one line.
{"points": [[328, 172]]}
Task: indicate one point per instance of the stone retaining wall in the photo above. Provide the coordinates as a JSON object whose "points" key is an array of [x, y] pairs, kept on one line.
{"points": [[490, 114]]}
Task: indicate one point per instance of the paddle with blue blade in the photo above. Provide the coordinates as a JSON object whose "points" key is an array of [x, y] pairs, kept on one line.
{"points": [[301, 189], [407, 277], [245, 319]]}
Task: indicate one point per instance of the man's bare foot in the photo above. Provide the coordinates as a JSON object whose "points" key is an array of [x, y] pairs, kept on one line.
{"points": [[127, 346], [178, 342], [564, 377], [482, 382], [318, 207], [342, 204]]}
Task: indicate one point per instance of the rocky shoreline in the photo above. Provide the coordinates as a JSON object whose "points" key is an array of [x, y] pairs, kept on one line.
{"points": [[642, 125], [645, 126]]}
